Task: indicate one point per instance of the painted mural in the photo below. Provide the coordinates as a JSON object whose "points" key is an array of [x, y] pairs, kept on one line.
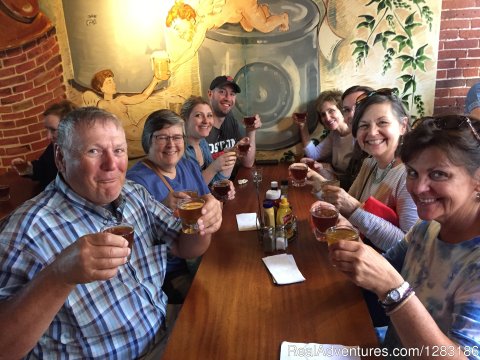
{"points": [[281, 53]]}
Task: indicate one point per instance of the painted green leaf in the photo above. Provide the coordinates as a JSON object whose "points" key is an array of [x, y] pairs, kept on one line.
{"points": [[378, 38]]}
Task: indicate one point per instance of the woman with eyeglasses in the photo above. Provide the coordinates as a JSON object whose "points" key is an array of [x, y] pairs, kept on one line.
{"points": [[198, 118], [166, 174], [333, 152], [378, 125], [429, 283]]}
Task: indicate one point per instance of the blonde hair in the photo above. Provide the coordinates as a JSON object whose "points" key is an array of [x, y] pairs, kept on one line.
{"points": [[180, 10]]}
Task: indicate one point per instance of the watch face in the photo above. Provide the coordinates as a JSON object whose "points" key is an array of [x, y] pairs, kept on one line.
{"points": [[395, 295]]}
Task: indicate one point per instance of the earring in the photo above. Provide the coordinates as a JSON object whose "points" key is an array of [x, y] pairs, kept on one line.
{"points": [[478, 196]]}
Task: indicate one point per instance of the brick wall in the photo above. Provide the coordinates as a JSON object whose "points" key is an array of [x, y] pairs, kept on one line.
{"points": [[31, 79], [458, 55]]}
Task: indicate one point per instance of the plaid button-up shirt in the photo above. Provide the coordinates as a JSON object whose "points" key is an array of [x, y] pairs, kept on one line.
{"points": [[115, 319]]}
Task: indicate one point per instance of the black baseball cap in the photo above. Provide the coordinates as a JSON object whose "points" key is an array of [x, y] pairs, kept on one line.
{"points": [[223, 80]]}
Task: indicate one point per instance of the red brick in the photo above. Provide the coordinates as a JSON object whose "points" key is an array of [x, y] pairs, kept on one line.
{"points": [[460, 14], [454, 73], [26, 121], [461, 44], [23, 87], [7, 125], [452, 54], [441, 92], [49, 44], [42, 99], [15, 60], [35, 111], [445, 101], [441, 74], [33, 53], [17, 150], [448, 34], [5, 72], [22, 68], [5, 109], [12, 116], [473, 53], [55, 83], [28, 139], [450, 83], [445, 64], [475, 23], [24, 105], [43, 78], [14, 80], [5, 92], [468, 63], [469, 34], [53, 62], [43, 58], [469, 73], [15, 132], [8, 141], [34, 73], [470, 82], [449, 24], [36, 91], [463, 4], [458, 92], [13, 99], [39, 146]]}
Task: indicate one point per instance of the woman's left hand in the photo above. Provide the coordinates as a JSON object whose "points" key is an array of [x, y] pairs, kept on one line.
{"points": [[343, 201], [364, 266]]}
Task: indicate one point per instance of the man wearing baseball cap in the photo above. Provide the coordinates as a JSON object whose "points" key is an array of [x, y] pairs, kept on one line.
{"points": [[472, 101], [226, 132]]}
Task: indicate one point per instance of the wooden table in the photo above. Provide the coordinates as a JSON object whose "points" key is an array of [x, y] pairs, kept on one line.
{"points": [[21, 189], [234, 311]]}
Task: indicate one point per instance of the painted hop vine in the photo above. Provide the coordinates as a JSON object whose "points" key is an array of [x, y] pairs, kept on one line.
{"points": [[398, 19]]}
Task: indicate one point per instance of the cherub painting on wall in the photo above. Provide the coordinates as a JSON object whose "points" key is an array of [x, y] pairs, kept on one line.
{"points": [[190, 22]]}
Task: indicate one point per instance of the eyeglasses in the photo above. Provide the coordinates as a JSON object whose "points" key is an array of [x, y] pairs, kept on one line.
{"points": [[447, 122], [383, 91], [163, 139]]}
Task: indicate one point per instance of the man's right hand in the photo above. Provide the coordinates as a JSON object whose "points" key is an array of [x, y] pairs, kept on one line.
{"points": [[91, 258]]}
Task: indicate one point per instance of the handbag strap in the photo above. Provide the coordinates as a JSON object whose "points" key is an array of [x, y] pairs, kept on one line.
{"points": [[148, 163]]}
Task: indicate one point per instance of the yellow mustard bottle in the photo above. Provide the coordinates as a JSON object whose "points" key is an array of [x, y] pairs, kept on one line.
{"points": [[284, 213]]}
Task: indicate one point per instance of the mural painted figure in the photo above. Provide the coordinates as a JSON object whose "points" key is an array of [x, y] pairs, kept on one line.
{"points": [[104, 82], [191, 22]]}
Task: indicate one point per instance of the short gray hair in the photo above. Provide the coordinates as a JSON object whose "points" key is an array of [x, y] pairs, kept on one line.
{"points": [[85, 116], [156, 121]]}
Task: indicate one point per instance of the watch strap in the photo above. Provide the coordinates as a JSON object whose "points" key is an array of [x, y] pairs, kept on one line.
{"points": [[402, 292]]}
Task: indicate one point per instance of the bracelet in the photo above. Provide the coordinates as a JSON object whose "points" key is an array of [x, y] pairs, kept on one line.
{"points": [[399, 305]]}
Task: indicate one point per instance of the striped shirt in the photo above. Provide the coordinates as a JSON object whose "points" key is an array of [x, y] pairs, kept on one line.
{"points": [[115, 319], [392, 191]]}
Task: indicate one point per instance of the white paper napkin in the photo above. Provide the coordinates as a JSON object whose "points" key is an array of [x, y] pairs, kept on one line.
{"points": [[312, 351], [247, 221], [283, 269]]}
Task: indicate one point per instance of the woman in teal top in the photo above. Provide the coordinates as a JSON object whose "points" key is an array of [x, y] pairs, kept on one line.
{"points": [[429, 284]]}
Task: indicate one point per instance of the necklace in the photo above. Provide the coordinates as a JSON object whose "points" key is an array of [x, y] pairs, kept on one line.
{"points": [[379, 175]]}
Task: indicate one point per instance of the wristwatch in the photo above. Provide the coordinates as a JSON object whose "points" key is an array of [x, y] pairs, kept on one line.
{"points": [[396, 295]]}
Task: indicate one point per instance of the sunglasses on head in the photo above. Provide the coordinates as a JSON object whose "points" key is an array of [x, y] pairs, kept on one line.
{"points": [[383, 91], [447, 122]]}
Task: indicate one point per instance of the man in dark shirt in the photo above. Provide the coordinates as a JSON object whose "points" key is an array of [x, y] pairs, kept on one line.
{"points": [[226, 132], [44, 169]]}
